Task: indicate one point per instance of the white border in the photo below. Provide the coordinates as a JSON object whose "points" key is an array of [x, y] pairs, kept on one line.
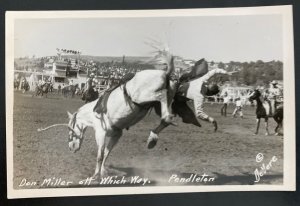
{"points": [[289, 180]]}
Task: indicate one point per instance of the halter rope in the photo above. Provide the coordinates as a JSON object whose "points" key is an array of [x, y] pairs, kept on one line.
{"points": [[54, 125]]}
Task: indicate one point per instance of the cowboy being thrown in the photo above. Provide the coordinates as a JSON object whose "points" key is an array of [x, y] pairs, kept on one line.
{"points": [[198, 89]]}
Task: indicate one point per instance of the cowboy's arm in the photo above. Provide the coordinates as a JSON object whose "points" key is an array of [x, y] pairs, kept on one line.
{"points": [[211, 73]]}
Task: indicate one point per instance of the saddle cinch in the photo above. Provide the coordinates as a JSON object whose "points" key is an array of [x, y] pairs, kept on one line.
{"points": [[101, 106]]}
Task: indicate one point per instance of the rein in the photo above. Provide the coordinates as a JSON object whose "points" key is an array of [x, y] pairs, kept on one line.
{"points": [[74, 120], [54, 125]]}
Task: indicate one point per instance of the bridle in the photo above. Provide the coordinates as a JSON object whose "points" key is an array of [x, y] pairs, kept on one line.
{"points": [[72, 132]]}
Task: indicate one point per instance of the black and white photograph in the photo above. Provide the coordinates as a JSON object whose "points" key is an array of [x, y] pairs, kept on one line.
{"points": [[154, 101]]}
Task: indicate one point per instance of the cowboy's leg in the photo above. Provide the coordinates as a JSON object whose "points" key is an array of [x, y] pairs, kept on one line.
{"points": [[225, 109], [267, 107], [222, 112], [241, 112], [234, 112], [272, 104], [267, 126], [199, 112], [98, 107]]}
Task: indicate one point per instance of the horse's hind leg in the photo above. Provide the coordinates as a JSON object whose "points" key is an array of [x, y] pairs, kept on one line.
{"points": [[110, 141]]}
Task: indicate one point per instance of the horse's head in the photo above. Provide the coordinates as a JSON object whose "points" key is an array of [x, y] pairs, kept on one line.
{"points": [[254, 95], [76, 132]]}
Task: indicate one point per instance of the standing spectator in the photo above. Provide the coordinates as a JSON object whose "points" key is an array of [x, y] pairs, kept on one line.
{"points": [[225, 103], [59, 89], [238, 107]]}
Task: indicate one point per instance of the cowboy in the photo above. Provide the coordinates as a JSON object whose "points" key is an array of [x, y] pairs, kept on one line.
{"points": [[41, 83], [226, 99], [272, 95], [198, 89], [71, 83], [238, 108], [59, 89]]}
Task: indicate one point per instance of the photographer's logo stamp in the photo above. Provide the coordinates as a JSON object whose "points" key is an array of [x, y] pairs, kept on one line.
{"points": [[264, 168]]}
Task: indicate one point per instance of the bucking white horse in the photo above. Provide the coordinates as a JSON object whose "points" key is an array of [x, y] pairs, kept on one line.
{"points": [[123, 107]]}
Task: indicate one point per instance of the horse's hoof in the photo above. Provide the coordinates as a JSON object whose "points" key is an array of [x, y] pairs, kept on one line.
{"points": [[104, 173], [95, 177], [267, 134], [151, 144], [254, 134], [276, 134], [152, 140]]}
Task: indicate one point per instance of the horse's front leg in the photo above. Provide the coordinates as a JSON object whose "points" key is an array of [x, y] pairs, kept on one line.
{"points": [[110, 141], [100, 139], [257, 125], [153, 137], [267, 126]]}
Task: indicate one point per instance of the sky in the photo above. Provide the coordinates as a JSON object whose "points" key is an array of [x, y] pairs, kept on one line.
{"points": [[215, 38]]}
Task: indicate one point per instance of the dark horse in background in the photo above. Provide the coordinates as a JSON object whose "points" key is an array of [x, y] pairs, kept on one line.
{"points": [[24, 86], [90, 95], [261, 112], [69, 91], [16, 84], [42, 89]]}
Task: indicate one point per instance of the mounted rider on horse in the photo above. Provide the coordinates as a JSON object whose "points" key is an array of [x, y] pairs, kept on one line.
{"points": [[273, 96], [90, 94]]}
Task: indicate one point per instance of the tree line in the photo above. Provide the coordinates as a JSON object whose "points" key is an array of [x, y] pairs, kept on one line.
{"points": [[252, 73]]}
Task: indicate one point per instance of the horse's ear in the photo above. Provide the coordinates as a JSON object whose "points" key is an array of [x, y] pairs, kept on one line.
{"points": [[69, 115]]}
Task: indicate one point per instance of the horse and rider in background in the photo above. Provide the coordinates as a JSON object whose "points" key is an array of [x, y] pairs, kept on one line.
{"points": [[69, 91], [269, 103], [90, 94], [24, 85], [42, 88], [16, 84]]}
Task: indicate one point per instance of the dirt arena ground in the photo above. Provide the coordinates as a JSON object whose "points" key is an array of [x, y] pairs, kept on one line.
{"points": [[228, 155]]}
